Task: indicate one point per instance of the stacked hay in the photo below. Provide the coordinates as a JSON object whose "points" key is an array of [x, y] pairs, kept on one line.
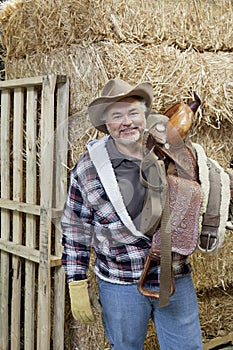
{"points": [[215, 310], [45, 25], [179, 47]]}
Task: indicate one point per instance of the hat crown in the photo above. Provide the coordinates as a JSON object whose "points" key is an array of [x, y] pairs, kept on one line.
{"points": [[116, 87]]}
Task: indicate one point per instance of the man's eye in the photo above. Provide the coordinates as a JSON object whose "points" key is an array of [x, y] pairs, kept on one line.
{"points": [[134, 114]]}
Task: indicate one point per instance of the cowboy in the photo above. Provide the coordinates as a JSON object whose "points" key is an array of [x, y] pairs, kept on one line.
{"points": [[103, 210]]}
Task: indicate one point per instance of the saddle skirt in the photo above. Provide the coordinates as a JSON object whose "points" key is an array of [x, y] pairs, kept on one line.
{"points": [[185, 198]]}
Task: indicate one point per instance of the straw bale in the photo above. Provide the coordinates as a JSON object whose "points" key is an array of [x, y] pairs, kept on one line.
{"points": [[84, 337], [216, 142], [47, 24], [215, 312], [173, 74], [215, 270]]}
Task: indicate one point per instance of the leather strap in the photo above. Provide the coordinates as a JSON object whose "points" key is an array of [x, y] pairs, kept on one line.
{"points": [[211, 218], [157, 208], [156, 188], [166, 259]]}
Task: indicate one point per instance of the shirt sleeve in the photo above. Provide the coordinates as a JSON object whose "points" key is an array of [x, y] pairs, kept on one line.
{"points": [[76, 226]]}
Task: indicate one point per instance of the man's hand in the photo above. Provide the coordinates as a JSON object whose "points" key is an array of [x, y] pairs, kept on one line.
{"points": [[229, 224], [81, 301]]}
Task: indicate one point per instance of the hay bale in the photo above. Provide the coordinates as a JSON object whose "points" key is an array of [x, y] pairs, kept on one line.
{"points": [[47, 24], [211, 271], [173, 74], [215, 311], [217, 142]]}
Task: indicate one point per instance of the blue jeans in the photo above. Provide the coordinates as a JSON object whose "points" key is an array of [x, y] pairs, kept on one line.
{"points": [[126, 314]]}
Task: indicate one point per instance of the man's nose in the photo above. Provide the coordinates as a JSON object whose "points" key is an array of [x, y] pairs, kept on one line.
{"points": [[127, 119]]}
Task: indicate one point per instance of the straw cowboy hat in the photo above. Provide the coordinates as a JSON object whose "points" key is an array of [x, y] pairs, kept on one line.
{"points": [[115, 90]]}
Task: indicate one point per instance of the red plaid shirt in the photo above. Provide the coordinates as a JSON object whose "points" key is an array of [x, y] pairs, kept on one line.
{"points": [[90, 220]]}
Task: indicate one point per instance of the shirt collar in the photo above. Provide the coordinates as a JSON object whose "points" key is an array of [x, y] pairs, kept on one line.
{"points": [[117, 157]]}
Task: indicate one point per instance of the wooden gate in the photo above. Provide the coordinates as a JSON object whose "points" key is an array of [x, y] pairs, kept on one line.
{"points": [[34, 118]]}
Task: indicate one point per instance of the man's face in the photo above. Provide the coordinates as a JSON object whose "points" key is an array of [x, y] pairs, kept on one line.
{"points": [[125, 120]]}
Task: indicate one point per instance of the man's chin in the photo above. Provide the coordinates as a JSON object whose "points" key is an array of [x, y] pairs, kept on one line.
{"points": [[130, 140]]}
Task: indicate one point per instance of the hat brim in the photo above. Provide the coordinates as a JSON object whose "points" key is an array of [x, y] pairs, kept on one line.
{"points": [[98, 106]]}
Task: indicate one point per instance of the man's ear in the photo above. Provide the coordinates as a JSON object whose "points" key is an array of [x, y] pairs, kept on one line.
{"points": [[107, 127]]}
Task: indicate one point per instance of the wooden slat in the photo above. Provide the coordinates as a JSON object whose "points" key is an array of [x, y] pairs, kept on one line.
{"points": [[46, 185], [60, 196], [31, 197], [17, 217], [20, 206], [26, 253], [27, 208], [26, 82], [5, 217]]}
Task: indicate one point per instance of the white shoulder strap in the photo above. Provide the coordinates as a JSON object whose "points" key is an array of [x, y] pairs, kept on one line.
{"points": [[100, 158], [203, 173], [224, 199]]}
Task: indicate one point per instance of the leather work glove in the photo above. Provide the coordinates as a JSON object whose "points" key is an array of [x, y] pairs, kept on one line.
{"points": [[229, 224], [81, 299]]}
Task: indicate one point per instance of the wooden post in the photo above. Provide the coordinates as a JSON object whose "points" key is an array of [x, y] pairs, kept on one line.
{"points": [[46, 185], [60, 196], [17, 217], [31, 198], [5, 218]]}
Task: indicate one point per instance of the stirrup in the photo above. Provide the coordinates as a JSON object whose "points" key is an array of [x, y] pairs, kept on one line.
{"points": [[152, 256]]}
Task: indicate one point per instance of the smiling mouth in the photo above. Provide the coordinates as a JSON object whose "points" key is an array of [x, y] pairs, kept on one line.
{"points": [[129, 131]]}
